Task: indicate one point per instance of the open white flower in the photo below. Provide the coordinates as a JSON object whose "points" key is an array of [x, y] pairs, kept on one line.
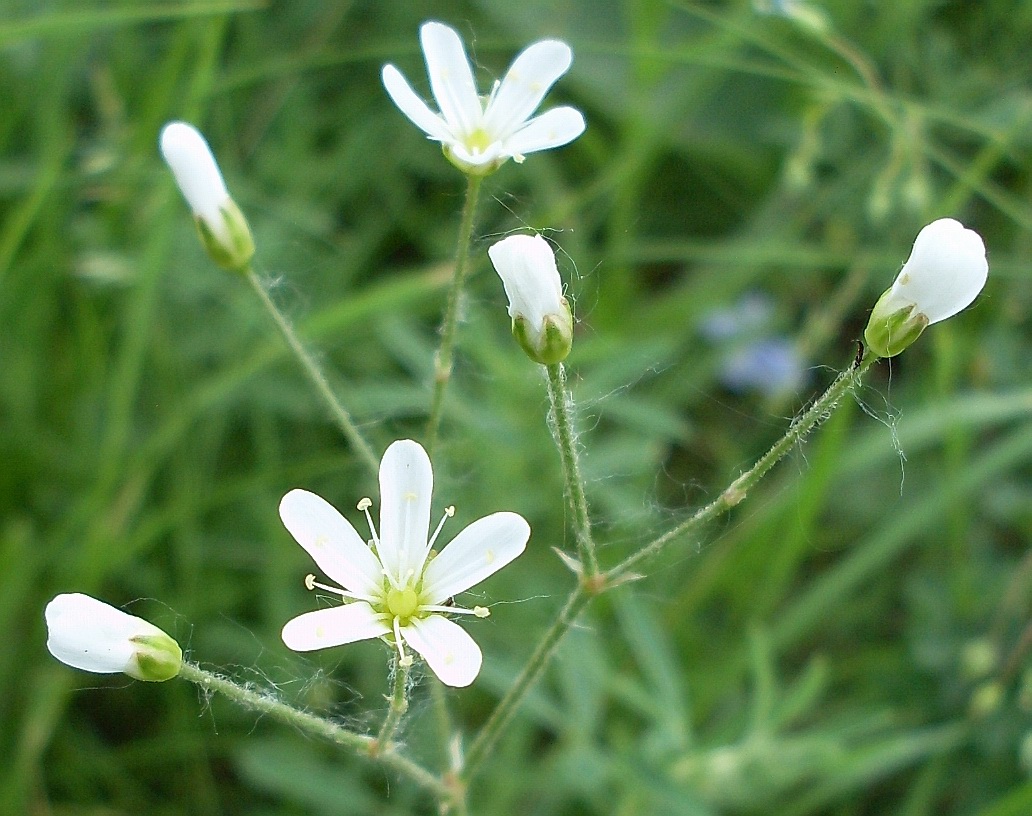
{"points": [[93, 636], [946, 270], [541, 318], [223, 228], [393, 586], [480, 135]]}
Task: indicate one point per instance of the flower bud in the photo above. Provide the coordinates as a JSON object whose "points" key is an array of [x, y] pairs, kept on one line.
{"points": [[542, 321], [223, 229], [945, 272], [90, 635]]}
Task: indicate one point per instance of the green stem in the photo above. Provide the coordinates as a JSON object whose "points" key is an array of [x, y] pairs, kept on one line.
{"points": [[399, 705], [586, 591], [801, 426], [509, 704], [564, 437], [316, 375], [443, 360], [316, 726]]}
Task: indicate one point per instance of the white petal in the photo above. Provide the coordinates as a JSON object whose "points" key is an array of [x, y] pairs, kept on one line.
{"points": [[335, 546], [406, 484], [526, 265], [94, 636], [451, 78], [412, 106], [525, 84], [447, 649], [480, 550], [334, 627], [945, 272], [553, 128], [197, 174]]}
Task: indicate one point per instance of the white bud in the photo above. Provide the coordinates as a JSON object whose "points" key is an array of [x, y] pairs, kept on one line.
{"points": [[93, 636], [945, 272], [541, 318], [223, 228]]}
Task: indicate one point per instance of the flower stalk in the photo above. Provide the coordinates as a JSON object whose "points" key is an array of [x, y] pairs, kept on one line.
{"points": [[315, 375], [801, 427], [398, 706], [443, 359], [565, 440], [361, 744]]}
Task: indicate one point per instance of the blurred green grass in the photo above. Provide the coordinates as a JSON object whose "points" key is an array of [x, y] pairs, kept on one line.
{"points": [[851, 641]]}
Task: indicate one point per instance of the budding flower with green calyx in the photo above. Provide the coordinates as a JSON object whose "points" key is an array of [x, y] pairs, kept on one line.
{"points": [[223, 229], [943, 275], [91, 635], [542, 321]]}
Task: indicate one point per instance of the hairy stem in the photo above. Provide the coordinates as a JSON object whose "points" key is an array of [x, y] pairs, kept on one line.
{"points": [[820, 409], [586, 591], [509, 704], [564, 438], [316, 376], [316, 726], [398, 707], [444, 359]]}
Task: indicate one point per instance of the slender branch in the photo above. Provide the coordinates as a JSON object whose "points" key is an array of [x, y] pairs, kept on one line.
{"points": [[399, 705], [539, 660], [316, 726], [443, 360], [317, 377], [801, 426], [564, 438], [586, 591]]}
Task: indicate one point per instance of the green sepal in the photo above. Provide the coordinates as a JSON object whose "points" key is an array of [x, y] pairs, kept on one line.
{"points": [[554, 344], [157, 658], [479, 170], [887, 334], [236, 253]]}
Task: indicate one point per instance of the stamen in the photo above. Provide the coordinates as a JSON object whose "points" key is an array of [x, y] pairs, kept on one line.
{"points": [[403, 658], [364, 506], [448, 513], [479, 611], [312, 584]]}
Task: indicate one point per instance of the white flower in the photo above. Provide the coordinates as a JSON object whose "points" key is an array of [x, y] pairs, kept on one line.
{"points": [[90, 635], [945, 272], [394, 586], [541, 318], [224, 230], [479, 135]]}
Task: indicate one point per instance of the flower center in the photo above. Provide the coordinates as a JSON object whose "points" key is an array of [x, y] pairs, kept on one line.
{"points": [[402, 603], [478, 141]]}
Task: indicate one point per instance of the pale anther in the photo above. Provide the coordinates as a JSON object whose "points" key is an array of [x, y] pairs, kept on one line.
{"points": [[310, 582], [365, 504], [481, 611]]}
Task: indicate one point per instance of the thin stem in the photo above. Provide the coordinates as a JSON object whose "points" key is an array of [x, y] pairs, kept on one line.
{"points": [[316, 375], [443, 360], [399, 705], [539, 660], [801, 426], [586, 591], [564, 438], [309, 723]]}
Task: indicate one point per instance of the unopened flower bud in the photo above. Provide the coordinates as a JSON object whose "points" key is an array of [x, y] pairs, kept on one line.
{"points": [[542, 321], [90, 635], [223, 229], [944, 274]]}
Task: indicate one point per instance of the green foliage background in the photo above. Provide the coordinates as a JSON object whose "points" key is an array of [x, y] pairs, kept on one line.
{"points": [[852, 640]]}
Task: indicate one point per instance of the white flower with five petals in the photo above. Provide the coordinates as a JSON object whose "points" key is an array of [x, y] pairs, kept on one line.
{"points": [[394, 586], [478, 135]]}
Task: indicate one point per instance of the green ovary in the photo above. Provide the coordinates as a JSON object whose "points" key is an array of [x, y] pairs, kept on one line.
{"points": [[402, 603]]}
